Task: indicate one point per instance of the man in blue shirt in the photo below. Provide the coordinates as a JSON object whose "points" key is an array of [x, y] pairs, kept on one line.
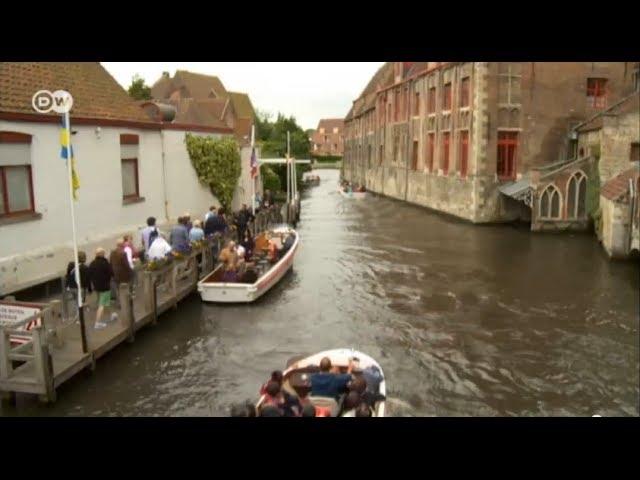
{"points": [[327, 384]]}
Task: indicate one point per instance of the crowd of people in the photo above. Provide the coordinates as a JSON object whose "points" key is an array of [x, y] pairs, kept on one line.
{"points": [[355, 394], [104, 275]]}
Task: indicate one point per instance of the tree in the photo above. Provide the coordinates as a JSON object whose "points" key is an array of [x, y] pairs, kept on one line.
{"points": [[138, 89]]}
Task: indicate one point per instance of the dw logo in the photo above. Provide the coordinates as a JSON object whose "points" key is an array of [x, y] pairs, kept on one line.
{"points": [[59, 101]]}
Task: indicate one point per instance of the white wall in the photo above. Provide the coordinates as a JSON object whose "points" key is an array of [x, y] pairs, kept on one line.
{"points": [[36, 251], [185, 192]]}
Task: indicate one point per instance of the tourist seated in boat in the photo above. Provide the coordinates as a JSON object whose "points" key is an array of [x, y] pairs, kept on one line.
{"points": [[249, 276], [308, 410], [363, 410], [229, 258], [369, 397], [271, 411], [248, 244], [273, 249], [286, 245], [351, 402], [328, 384], [276, 396], [276, 376]]}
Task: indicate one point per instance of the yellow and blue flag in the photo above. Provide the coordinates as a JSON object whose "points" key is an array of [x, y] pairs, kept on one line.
{"points": [[66, 152]]}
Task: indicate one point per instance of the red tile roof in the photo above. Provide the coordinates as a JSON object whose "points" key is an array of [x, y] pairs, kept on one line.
{"points": [[96, 94], [617, 188]]}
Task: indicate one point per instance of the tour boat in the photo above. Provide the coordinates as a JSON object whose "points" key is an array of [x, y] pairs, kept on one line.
{"points": [[356, 195], [212, 289], [298, 371], [312, 181]]}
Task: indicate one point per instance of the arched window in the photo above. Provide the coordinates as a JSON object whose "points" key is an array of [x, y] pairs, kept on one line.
{"points": [[550, 203], [576, 195]]}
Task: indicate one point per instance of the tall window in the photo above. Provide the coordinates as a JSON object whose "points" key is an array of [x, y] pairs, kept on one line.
{"points": [[576, 195], [16, 184], [464, 92], [129, 162], [369, 156], [396, 113], [446, 97], [444, 162], [507, 147], [431, 142], [380, 154], [431, 103], [416, 104], [634, 154], [596, 92], [414, 157], [464, 153], [550, 203]]}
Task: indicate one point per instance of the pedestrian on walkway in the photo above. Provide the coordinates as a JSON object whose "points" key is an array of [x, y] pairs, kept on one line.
{"points": [[101, 274]]}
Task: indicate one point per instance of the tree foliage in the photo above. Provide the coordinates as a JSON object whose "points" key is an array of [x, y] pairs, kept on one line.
{"points": [[138, 89], [272, 137], [217, 163]]}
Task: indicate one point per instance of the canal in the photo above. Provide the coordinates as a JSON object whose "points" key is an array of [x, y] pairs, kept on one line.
{"points": [[465, 320]]}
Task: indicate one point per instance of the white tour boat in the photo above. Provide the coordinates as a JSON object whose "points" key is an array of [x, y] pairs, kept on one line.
{"points": [[298, 372], [213, 289]]}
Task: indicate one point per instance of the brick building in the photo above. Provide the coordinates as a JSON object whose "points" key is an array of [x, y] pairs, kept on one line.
{"points": [[203, 100], [328, 139], [475, 139]]}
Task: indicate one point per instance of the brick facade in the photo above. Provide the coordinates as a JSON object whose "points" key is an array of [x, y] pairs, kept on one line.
{"points": [[517, 117]]}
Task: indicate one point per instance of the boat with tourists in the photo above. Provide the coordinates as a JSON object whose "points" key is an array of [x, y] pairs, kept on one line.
{"points": [[273, 257], [296, 380]]}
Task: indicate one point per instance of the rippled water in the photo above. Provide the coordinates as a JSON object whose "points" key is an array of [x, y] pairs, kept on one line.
{"points": [[465, 320]]}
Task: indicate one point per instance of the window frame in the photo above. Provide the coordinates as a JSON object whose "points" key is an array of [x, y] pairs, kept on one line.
{"points": [[447, 97], [554, 191], [6, 212], [509, 139], [137, 194], [597, 93], [446, 153], [465, 92], [463, 153]]}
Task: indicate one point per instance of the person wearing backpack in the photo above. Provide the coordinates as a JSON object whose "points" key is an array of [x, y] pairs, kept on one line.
{"points": [[149, 233]]}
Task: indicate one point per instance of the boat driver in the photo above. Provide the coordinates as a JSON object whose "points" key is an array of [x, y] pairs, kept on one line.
{"points": [[328, 384]]}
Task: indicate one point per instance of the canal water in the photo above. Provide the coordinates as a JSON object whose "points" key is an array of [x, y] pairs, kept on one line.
{"points": [[465, 321]]}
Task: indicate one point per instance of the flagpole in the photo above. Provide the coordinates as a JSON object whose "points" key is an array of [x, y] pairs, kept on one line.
{"points": [[253, 178], [288, 174], [73, 214]]}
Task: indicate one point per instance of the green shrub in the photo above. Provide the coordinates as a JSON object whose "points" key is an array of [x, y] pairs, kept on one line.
{"points": [[217, 164]]}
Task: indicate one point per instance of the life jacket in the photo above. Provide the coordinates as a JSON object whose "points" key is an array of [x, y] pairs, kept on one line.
{"points": [[323, 411]]}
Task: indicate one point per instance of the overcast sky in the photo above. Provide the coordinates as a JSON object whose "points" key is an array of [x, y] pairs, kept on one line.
{"points": [[307, 90]]}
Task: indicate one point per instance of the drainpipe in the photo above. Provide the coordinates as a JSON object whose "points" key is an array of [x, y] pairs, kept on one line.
{"points": [[164, 176]]}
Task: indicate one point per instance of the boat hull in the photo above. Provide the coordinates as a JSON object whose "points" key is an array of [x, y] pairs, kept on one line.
{"points": [[353, 195]]}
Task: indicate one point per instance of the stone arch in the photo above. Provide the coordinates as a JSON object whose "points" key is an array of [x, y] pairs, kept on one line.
{"points": [[550, 203], [576, 198]]}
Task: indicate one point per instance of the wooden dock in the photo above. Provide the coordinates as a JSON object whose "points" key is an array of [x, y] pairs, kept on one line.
{"points": [[55, 350], [59, 348]]}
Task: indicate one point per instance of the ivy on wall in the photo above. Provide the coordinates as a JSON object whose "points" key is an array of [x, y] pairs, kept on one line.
{"points": [[217, 164]]}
